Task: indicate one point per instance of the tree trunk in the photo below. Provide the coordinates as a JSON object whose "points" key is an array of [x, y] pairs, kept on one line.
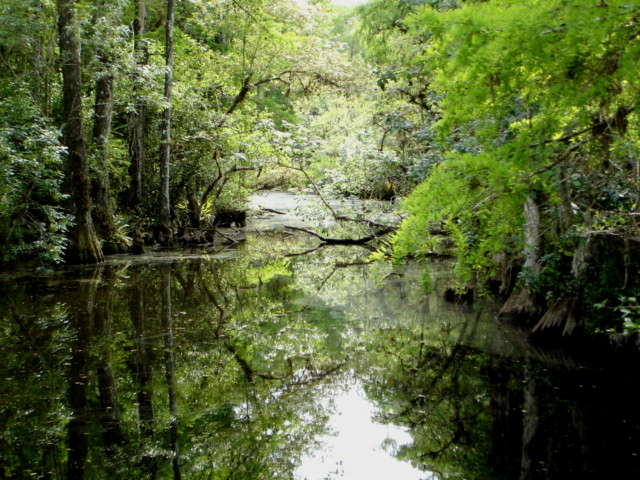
{"points": [[565, 312], [103, 110], [83, 245], [522, 303], [164, 216], [137, 119], [43, 63], [103, 215], [137, 158]]}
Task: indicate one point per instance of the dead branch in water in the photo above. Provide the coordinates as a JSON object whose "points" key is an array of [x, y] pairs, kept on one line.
{"points": [[343, 241], [228, 238], [271, 210], [336, 215]]}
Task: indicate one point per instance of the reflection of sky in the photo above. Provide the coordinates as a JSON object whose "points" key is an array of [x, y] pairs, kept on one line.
{"points": [[359, 449]]}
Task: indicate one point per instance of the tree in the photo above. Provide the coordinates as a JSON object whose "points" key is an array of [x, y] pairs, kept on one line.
{"points": [[232, 77], [33, 222], [545, 98], [107, 44], [164, 214], [83, 245], [137, 118], [242, 77]]}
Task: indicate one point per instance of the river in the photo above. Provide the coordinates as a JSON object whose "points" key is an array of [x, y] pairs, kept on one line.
{"points": [[275, 358]]}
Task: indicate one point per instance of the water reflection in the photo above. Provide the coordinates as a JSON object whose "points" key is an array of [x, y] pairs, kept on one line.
{"points": [[357, 446], [239, 367]]}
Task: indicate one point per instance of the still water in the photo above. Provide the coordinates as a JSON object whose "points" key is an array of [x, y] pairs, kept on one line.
{"points": [[275, 359]]}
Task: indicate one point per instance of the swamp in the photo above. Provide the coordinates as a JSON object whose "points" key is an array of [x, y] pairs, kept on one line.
{"points": [[319, 239], [275, 358]]}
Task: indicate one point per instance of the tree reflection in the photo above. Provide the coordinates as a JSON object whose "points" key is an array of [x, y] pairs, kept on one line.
{"points": [[219, 345], [113, 436], [81, 316], [141, 365], [99, 366], [476, 413], [35, 343], [434, 390], [170, 368]]}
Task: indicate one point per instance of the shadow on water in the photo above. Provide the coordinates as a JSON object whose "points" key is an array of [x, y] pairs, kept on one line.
{"points": [[263, 365]]}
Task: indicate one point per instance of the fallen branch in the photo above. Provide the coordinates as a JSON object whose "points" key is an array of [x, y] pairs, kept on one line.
{"points": [[227, 237], [335, 214], [274, 211], [343, 241], [306, 252]]}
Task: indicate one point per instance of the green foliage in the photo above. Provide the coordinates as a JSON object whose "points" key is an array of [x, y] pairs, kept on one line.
{"points": [[630, 310], [492, 54], [32, 221], [233, 108], [534, 99], [243, 76], [479, 200], [363, 144], [31, 215]]}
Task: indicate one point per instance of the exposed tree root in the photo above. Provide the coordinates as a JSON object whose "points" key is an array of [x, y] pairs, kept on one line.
{"points": [[521, 304], [562, 312]]}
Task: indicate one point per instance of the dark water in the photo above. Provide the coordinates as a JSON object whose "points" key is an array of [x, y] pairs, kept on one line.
{"points": [[255, 363]]}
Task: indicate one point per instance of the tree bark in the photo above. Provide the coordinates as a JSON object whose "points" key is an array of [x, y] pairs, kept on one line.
{"points": [[522, 303], [103, 109], [83, 245], [565, 312], [103, 215], [164, 214], [137, 119], [43, 64]]}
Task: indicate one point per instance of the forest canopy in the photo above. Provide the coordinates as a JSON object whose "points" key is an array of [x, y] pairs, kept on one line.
{"points": [[513, 125]]}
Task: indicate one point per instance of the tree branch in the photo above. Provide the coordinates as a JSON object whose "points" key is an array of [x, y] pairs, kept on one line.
{"points": [[221, 176], [335, 214], [562, 139], [561, 158], [247, 85], [343, 241], [240, 97]]}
